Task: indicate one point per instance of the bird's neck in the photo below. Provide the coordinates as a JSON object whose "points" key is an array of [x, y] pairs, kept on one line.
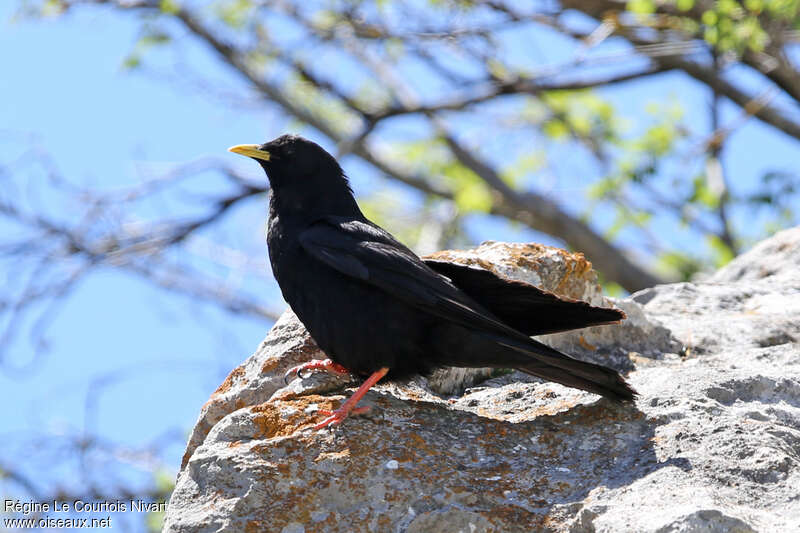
{"points": [[293, 204]]}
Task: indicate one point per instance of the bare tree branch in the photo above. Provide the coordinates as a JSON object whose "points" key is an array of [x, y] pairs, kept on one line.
{"points": [[779, 71], [541, 212], [536, 212]]}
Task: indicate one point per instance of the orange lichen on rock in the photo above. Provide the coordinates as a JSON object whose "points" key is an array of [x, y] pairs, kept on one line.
{"points": [[447, 255], [270, 365], [333, 456], [256, 526], [566, 278], [235, 374], [527, 255], [286, 417], [565, 273], [585, 344]]}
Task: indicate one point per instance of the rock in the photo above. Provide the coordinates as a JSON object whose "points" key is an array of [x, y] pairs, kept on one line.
{"points": [[553, 269], [288, 344], [570, 275], [712, 444]]}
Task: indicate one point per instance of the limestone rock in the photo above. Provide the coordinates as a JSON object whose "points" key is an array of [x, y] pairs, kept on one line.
{"points": [[712, 444]]}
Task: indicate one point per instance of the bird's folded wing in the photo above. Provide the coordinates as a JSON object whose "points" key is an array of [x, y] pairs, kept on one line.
{"points": [[521, 305], [369, 254]]}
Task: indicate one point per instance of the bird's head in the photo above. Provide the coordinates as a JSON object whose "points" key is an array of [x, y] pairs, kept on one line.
{"points": [[302, 174], [290, 158]]}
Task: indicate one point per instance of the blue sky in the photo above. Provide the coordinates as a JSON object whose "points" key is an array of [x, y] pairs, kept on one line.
{"points": [[152, 362], [154, 357]]}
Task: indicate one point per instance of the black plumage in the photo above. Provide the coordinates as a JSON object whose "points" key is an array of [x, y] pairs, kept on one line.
{"points": [[373, 306]]}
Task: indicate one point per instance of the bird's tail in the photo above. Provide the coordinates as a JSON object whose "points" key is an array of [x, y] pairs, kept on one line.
{"points": [[458, 346], [550, 364]]}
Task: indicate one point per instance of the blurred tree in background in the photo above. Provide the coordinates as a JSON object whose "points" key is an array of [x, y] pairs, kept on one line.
{"points": [[477, 110]]}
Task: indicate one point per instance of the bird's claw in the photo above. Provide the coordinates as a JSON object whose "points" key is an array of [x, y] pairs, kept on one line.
{"points": [[299, 372], [294, 371], [337, 417], [289, 373], [309, 367]]}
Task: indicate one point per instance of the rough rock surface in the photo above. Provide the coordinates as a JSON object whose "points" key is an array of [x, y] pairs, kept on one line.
{"points": [[712, 444]]}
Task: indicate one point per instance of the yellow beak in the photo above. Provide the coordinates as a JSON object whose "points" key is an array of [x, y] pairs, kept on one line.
{"points": [[250, 150]]}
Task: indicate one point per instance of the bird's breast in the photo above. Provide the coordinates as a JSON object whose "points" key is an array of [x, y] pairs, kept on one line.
{"points": [[356, 324]]}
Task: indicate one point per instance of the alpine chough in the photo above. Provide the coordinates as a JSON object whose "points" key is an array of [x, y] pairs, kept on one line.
{"points": [[378, 310]]}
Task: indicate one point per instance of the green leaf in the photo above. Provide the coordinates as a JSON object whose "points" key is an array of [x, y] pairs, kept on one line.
{"points": [[557, 100], [52, 8], [581, 124], [756, 6], [132, 61], [642, 7], [729, 7], [235, 13], [170, 7], [711, 35], [474, 196], [153, 38], [603, 188], [155, 521], [659, 139], [722, 253], [555, 129], [709, 18], [680, 264], [702, 194], [526, 164], [617, 226], [497, 69]]}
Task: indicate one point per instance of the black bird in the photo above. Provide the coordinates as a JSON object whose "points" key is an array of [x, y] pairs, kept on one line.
{"points": [[378, 310]]}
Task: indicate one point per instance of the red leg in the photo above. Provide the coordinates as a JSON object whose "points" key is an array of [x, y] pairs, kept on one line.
{"points": [[324, 364], [349, 406]]}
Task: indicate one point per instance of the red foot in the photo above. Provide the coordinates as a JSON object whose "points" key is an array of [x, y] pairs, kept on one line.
{"points": [[324, 364], [336, 417], [349, 407]]}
